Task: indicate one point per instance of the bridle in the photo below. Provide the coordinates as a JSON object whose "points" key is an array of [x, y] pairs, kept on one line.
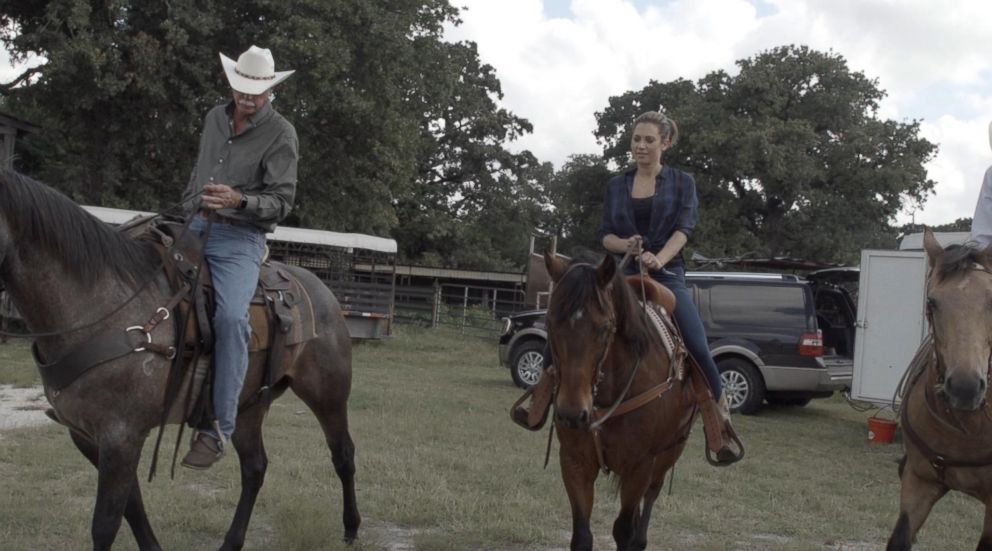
{"points": [[622, 404], [939, 367], [940, 461], [607, 334], [165, 257]]}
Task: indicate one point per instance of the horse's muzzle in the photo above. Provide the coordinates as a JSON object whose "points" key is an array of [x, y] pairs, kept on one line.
{"points": [[965, 391], [577, 419]]}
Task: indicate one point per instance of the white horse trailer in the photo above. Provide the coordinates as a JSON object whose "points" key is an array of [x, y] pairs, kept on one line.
{"points": [[360, 269], [891, 315]]}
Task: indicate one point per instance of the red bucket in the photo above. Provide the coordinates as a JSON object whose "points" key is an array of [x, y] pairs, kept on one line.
{"points": [[881, 431]]}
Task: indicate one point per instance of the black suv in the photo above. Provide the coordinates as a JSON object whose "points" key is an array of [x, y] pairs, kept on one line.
{"points": [[765, 332]]}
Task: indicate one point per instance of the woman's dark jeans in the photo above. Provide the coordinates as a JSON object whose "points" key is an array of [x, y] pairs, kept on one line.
{"points": [[687, 317]]}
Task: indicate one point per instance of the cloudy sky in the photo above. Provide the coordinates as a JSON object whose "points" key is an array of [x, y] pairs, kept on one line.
{"points": [[560, 60]]}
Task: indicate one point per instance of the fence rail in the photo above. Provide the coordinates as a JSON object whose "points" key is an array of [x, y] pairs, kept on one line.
{"points": [[468, 309]]}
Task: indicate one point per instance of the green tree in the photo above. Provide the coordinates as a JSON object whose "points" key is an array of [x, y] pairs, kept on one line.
{"points": [[959, 225], [399, 130], [577, 192], [790, 156]]}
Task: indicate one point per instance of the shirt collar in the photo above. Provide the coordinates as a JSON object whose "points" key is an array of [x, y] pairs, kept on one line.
{"points": [[260, 116], [629, 175]]}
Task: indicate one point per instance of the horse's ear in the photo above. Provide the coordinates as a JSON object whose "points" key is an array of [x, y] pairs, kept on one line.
{"points": [[556, 267], [932, 247], [605, 271]]}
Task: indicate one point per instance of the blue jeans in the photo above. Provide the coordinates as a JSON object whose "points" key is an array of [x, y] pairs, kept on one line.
{"points": [[234, 255], [687, 317]]}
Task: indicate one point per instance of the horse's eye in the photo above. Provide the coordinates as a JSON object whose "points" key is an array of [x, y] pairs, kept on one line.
{"points": [[931, 304]]}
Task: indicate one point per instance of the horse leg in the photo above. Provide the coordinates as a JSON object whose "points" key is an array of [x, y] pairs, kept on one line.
{"points": [[578, 472], [331, 410], [117, 478], [626, 527], [640, 541], [916, 498], [247, 440], [134, 511], [985, 544]]}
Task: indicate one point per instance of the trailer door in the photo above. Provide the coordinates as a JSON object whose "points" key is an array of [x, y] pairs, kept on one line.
{"points": [[891, 321]]}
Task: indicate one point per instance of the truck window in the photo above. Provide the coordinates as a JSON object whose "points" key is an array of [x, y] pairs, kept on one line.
{"points": [[758, 305]]}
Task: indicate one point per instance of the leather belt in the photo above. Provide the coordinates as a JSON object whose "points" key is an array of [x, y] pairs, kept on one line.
{"points": [[221, 219]]}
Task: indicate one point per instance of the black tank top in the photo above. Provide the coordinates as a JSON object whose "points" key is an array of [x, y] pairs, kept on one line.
{"points": [[642, 214]]}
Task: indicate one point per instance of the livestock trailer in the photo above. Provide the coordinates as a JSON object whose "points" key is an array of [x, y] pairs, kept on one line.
{"points": [[891, 319], [341, 260]]}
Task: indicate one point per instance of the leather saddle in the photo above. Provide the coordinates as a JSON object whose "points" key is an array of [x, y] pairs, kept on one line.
{"points": [[281, 315], [654, 292], [280, 304]]}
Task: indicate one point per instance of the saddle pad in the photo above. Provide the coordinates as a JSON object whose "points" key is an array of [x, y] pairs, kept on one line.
{"points": [[662, 322], [278, 285]]}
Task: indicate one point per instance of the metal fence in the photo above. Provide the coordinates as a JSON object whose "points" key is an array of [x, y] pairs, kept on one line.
{"points": [[467, 309]]}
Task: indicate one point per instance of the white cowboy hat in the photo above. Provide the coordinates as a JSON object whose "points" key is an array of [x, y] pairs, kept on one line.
{"points": [[254, 72]]}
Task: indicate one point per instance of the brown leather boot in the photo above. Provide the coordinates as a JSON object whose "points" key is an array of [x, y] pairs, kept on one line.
{"points": [[204, 452], [731, 448], [533, 416], [723, 447]]}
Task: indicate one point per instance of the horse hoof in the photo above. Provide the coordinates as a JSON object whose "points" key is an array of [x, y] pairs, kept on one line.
{"points": [[350, 538]]}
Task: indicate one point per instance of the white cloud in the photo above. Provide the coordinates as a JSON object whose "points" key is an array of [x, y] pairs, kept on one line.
{"points": [[9, 71], [930, 58]]}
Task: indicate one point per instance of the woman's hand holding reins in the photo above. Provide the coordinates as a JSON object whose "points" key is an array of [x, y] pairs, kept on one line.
{"points": [[650, 261], [635, 244]]}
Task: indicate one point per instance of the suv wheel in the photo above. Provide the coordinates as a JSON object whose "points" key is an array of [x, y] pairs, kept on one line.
{"points": [[743, 384], [527, 364]]}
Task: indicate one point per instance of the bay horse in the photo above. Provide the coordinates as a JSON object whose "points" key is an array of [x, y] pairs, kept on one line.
{"points": [[946, 413], [63, 268], [606, 357]]}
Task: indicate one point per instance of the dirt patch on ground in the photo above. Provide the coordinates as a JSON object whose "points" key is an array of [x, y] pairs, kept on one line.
{"points": [[22, 407]]}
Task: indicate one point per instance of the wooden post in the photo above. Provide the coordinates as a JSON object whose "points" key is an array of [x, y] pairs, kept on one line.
{"points": [[464, 310], [436, 305]]}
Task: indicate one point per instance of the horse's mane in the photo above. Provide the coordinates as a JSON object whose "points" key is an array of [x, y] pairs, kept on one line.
{"points": [[42, 219], [958, 259], [578, 287]]}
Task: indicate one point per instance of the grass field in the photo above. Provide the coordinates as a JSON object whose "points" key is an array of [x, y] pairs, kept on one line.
{"points": [[440, 467]]}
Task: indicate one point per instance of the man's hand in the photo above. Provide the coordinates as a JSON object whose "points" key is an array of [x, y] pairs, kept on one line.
{"points": [[219, 196]]}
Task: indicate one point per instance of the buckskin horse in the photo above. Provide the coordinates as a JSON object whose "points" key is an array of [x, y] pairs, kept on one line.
{"points": [[946, 416], [63, 268], [621, 405]]}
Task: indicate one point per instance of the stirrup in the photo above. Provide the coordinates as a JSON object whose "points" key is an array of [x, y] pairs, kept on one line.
{"points": [[521, 416], [726, 455]]}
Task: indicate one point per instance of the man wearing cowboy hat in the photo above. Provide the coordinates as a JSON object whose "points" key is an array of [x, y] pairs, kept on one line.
{"points": [[242, 185]]}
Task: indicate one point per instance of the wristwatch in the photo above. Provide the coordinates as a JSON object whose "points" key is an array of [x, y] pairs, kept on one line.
{"points": [[244, 202]]}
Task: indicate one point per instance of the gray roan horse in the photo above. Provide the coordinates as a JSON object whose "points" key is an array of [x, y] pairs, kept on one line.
{"points": [[64, 268], [946, 414]]}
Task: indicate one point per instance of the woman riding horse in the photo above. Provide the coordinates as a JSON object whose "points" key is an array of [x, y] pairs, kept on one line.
{"points": [[650, 212]]}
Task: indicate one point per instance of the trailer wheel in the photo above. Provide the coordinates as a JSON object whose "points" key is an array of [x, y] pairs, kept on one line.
{"points": [[743, 384]]}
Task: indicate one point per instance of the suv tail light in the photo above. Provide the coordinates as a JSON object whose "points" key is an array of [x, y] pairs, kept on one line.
{"points": [[811, 344]]}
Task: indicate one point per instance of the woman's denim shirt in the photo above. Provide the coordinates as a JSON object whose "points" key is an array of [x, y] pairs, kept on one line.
{"points": [[674, 208]]}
